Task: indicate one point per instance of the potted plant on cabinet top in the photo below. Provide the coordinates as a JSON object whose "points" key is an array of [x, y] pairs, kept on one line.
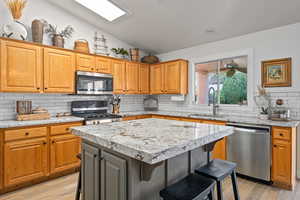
{"points": [[120, 53], [58, 38]]}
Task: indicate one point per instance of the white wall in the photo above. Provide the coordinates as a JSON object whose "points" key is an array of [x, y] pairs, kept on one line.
{"points": [[270, 44], [41, 9]]}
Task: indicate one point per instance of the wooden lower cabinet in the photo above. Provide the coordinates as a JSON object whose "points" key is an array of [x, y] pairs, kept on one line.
{"points": [[284, 157], [25, 161], [281, 170], [63, 152], [219, 151], [30, 155]]}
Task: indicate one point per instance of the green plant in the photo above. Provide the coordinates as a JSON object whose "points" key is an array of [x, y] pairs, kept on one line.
{"points": [[121, 51], [52, 31]]}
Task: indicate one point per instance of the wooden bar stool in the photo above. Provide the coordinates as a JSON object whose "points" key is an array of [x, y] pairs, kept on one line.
{"points": [[78, 189], [192, 187], [218, 170]]}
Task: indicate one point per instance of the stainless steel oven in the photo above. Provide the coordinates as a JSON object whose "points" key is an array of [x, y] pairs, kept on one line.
{"points": [[93, 83]]}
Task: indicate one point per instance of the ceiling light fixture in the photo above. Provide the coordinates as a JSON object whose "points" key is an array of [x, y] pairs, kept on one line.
{"points": [[104, 8]]}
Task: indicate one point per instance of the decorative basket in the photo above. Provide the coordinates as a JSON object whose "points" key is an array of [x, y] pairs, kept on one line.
{"points": [[150, 59], [82, 45]]}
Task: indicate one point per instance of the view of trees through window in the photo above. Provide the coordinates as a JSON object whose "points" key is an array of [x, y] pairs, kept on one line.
{"points": [[227, 76]]}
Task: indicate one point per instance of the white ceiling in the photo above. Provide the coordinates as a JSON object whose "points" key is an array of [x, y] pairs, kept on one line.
{"points": [[161, 26]]}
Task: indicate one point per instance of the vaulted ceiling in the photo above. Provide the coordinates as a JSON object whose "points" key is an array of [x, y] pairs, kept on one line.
{"points": [[161, 26]]}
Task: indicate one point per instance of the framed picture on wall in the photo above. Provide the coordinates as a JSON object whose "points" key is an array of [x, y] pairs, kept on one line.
{"points": [[276, 73]]}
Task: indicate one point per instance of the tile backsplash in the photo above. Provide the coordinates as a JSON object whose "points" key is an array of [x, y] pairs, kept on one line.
{"points": [[291, 101], [55, 103]]}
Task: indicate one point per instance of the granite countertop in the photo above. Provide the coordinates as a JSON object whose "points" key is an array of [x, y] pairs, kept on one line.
{"points": [[226, 118], [53, 120], [152, 140]]}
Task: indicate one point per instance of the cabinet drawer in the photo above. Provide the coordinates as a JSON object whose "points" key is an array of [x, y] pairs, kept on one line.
{"points": [[62, 129], [282, 133], [24, 133]]}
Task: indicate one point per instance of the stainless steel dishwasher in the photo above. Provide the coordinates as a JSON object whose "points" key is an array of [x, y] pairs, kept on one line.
{"points": [[250, 148]]}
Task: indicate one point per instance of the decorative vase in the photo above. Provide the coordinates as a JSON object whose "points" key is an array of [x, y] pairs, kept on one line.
{"points": [[15, 30], [264, 116], [58, 41], [37, 28]]}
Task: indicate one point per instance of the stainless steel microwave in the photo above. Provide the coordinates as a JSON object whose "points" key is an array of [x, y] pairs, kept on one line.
{"points": [[93, 83]]}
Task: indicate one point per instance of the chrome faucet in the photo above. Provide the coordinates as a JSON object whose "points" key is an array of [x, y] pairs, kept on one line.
{"points": [[215, 106]]}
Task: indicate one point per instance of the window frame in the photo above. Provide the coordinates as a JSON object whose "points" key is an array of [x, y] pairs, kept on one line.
{"points": [[217, 57]]}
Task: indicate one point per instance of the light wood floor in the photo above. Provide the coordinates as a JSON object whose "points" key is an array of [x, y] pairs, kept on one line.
{"points": [[64, 189]]}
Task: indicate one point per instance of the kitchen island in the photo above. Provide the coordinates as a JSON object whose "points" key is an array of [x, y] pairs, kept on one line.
{"points": [[134, 160]]}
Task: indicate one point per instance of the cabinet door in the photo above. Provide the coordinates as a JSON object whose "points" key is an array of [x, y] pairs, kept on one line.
{"points": [[103, 65], [119, 76], [144, 76], [90, 172], [85, 62], [219, 151], [132, 78], [63, 153], [172, 78], [156, 79], [113, 177], [59, 71], [281, 165], [21, 67], [25, 161]]}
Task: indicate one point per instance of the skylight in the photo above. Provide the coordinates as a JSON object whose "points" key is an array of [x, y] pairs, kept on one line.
{"points": [[104, 8]]}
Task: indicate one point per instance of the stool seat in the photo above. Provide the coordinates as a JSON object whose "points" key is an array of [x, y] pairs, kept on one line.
{"points": [[217, 169], [192, 187]]}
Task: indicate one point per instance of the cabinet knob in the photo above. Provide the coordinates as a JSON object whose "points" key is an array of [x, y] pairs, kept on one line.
{"points": [[38, 88], [281, 134], [67, 129], [26, 133], [53, 141], [46, 88], [44, 143], [274, 145]]}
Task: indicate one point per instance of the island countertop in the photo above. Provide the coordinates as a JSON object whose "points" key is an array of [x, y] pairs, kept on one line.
{"points": [[152, 140]]}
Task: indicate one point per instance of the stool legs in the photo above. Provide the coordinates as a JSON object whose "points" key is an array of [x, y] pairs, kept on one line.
{"points": [[78, 189], [235, 186], [219, 190]]}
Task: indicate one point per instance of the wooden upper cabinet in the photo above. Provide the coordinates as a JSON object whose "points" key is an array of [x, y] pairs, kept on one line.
{"points": [[25, 161], [59, 71], [172, 78], [169, 77], [63, 152], [85, 62], [156, 79], [144, 79], [132, 78], [176, 77], [21, 67], [118, 76], [103, 65]]}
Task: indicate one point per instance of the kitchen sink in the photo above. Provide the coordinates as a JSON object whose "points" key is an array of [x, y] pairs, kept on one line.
{"points": [[205, 115]]}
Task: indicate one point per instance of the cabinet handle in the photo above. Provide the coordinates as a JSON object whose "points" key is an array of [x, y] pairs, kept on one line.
{"points": [[38, 88], [26, 133], [274, 145], [101, 158], [281, 134], [67, 129], [44, 143], [95, 155], [53, 142], [46, 88]]}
